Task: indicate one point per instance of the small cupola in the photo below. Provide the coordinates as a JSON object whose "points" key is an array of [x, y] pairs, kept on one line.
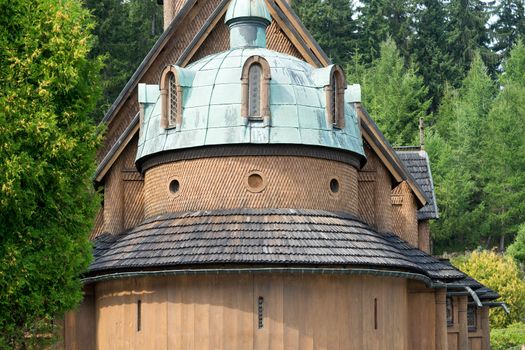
{"points": [[247, 20]]}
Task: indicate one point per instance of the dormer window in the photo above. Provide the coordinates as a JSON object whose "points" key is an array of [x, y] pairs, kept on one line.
{"points": [[255, 82], [335, 98], [171, 98]]}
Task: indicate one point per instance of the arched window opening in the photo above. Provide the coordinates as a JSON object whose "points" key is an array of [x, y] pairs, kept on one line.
{"points": [[254, 90], [255, 84], [173, 99], [335, 98]]}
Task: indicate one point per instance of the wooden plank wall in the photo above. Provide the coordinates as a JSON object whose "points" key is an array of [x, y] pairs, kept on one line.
{"points": [[221, 312]]}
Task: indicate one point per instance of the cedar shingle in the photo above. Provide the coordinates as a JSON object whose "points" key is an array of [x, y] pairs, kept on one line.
{"points": [[271, 236]]}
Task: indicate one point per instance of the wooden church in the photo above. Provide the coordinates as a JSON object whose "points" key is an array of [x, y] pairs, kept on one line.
{"points": [[250, 202]]}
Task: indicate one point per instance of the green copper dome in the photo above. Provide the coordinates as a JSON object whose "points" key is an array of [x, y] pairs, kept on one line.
{"points": [[212, 107], [241, 9], [210, 93]]}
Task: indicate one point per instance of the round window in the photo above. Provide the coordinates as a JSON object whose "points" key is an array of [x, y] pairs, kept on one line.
{"points": [[334, 185], [174, 186]]}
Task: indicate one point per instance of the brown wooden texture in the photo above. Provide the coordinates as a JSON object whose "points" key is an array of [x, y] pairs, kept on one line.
{"points": [[441, 319], [462, 323], [422, 320], [404, 208], [79, 332], [221, 183], [221, 312], [375, 185], [123, 194], [485, 326], [423, 228]]}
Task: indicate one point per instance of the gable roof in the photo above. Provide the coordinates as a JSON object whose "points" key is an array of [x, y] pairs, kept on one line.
{"points": [[295, 31], [418, 164], [377, 141]]}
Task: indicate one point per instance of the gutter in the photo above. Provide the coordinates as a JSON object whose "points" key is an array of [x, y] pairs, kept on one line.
{"points": [[500, 304], [294, 270], [467, 290]]}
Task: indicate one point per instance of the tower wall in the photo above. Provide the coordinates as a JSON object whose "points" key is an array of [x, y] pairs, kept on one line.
{"points": [[251, 182], [253, 311]]}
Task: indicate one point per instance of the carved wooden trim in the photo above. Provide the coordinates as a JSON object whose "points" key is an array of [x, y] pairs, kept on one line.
{"points": [[265, 88]]}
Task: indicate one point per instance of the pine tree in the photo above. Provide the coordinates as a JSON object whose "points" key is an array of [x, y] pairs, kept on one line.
{"points": [[510, 25], [468, 35], [459, 162], [505, 146], [126, 31], [382, 19], [393, 95], [429, 49], [47, 157], [330, 23]]}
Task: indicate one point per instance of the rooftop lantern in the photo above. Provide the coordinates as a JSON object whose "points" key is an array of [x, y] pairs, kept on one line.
{"points": [[247, 20]]}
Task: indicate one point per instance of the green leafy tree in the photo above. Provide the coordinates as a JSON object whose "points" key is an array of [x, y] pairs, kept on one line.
{"points": [[505, 146], [126, 31], [517, 248], [501, 274], [330, 23], [459, 161], [393, 95], [47, 157]]}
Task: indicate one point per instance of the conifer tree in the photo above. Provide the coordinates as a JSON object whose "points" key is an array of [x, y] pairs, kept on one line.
{"points": [[510, 25], [47, 157], [382, 19], [126, 31], [468, 35], [429, 48], [330, 23], [393, 95], [505, 145], [458, 160]]}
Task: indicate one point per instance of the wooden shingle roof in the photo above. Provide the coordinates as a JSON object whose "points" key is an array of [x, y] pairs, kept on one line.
{"points": [[261, 236], [417, 163]]}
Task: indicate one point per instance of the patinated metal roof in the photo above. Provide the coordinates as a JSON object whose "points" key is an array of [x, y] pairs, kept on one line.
{"points": [[417, 163], [212, 107], [239, 9], [261, 236]]}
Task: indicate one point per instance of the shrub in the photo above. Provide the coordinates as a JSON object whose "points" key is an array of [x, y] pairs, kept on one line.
{"points": [[506, 338], [502, 274]]}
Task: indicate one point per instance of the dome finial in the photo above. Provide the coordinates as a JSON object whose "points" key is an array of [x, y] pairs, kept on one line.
{"points": [[247, 20]]}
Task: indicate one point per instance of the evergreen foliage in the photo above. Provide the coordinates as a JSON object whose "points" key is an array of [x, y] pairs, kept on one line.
{"points": [[468, 34], [509, 26], [430, 49], [331, 24], [501, 274], [394, 95], [126, 31], [457, 158], [47, 157], [380, 20], [505, 140], [517, 248]]}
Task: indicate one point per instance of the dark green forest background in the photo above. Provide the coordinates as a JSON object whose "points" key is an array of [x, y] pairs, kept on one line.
{"points": [[458, 64]]}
